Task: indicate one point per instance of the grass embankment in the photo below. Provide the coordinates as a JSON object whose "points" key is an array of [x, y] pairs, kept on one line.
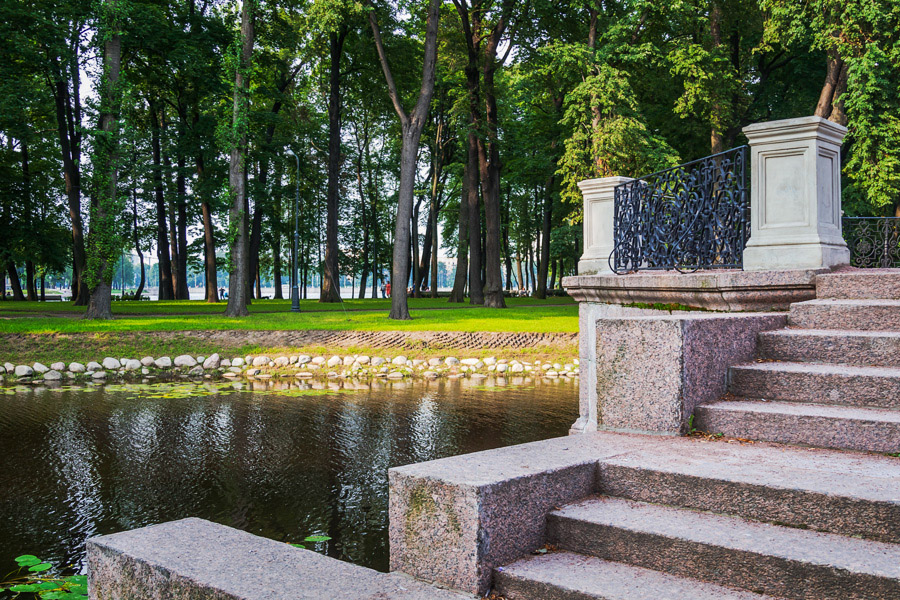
{"points": [[193, 307], [53, 331]]}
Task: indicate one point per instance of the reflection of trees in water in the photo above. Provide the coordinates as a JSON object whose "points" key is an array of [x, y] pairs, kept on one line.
{"points": [[279, 466]]}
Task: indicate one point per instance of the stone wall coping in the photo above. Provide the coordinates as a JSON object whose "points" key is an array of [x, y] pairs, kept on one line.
{"points": [[795, 129], [194, 559], [602, 183], [720, 289]]}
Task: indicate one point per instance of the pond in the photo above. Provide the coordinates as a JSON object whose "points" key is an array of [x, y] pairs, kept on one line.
{"points": [[279, 460]]}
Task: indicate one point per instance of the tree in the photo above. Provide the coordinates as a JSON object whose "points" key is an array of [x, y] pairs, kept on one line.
{"points": [[104, 235], [411, 125], [237, 171]]}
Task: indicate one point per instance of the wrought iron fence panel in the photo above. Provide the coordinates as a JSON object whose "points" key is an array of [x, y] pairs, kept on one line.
{"points": [[873, 241], [693, 216]]}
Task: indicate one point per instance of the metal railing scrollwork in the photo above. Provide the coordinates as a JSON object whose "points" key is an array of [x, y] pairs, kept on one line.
{"points": [[693, 216], [874, 242]]}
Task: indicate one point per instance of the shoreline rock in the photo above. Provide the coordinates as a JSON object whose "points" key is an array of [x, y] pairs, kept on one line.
{"points": [[286, 366]]}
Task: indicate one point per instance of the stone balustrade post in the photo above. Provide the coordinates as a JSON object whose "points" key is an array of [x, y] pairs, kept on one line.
{"points": [[599, 206], [795, 198]]}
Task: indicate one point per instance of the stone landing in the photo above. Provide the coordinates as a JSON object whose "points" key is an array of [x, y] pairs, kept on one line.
{"points": [[630, 516]]}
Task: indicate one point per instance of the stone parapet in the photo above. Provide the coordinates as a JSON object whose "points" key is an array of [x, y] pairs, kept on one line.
{"points": [[453, 520], [653, 371], [724, 290], [193, 559]]}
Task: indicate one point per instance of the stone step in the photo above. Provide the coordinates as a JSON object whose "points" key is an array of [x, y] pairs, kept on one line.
{"points": [[860, 284], [764, 558], [569, 576], [863, 348], [848, 428], [864, 315], [817, 383], [811, 488]]}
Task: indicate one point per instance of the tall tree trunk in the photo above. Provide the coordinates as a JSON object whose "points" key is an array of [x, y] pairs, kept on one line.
{"points": [[414, 245], [476, 283], [69, 134], [27, 209], [137, 246], [237, 281], [541, 290], [259, 208], [209, 240], [277, 193], [172, 211], [330, 290], [14, 282], [182, 290], [838, 114], [520, 283], [411, 127], [458, 293], [717, 137], [104, 203], [30, 289], [166, 282], [832, 81], [360, 189]]}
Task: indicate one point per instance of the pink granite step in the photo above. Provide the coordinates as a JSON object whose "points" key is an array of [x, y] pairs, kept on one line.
{"points": [[860, 284], [864, 348], [724, 550], [569, 576], [817, 383], [849, 428], [823, 490], [864, 315]]}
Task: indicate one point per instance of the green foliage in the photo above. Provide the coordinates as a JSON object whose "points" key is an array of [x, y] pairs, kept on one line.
{"points": [[865, 34], [315, 539], [609, 134], [37, 577]]}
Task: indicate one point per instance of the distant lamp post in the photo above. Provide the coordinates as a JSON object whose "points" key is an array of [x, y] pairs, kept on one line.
{"points": [[295, 289]]}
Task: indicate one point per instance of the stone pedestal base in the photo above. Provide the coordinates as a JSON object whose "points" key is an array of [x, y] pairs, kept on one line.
{"points": [[795, 256]]}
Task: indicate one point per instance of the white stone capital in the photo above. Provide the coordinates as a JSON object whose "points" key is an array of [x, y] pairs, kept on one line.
{"points": [[795, 197], [599, 209]]}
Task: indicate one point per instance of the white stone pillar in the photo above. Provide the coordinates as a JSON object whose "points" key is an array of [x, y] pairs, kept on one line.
{"points": [[599, 205], [795, 197]]}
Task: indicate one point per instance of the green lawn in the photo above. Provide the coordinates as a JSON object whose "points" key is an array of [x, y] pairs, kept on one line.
{"points": [[10, 308], [523, 315]]}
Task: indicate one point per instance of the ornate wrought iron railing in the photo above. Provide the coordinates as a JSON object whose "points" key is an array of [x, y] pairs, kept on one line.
{"points": [[873, 241], [693, 216]]}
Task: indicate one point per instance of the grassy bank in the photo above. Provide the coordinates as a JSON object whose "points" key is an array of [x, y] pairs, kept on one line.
{"points": [[48, 332], [275, 316], [192, 307], [46, 349]]}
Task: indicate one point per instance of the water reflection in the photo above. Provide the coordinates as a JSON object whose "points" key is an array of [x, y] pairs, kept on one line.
{"points": [[288, 460]]}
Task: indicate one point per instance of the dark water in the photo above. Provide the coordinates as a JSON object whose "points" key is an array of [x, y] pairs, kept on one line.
{"points": [[281, 463]]}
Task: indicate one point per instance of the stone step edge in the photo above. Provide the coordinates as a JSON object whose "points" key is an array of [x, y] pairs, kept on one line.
{"points": [[864, 429], [572, 576], [766, 495], [732, 534], [819, 368]]}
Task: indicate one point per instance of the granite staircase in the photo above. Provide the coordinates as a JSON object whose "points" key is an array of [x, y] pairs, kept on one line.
{"points": [[831, 379], [814, 516]]}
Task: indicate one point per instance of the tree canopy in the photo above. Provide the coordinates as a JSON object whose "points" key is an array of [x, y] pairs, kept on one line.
{"points": [[424, 129]]}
